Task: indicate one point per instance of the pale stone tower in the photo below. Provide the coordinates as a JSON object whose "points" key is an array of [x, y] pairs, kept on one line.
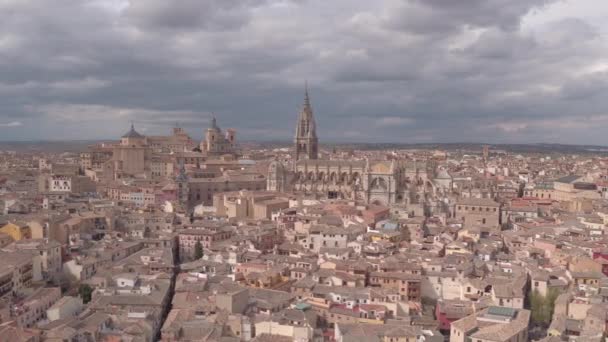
{"points": [[183, 189], [277, 177], [306, 141]]}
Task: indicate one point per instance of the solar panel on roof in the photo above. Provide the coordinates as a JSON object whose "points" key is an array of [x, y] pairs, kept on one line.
{"points": [[501, 311]]}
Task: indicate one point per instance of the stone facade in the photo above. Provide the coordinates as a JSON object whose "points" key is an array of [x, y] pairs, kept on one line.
{"points": [[478, 212], [216, 142], [306, 140], [201, 190], [379, 182], [179, 141]]}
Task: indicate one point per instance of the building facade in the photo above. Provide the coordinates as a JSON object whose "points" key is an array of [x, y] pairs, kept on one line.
{"points": [[306, 140], [216, 142], [380, 182]]}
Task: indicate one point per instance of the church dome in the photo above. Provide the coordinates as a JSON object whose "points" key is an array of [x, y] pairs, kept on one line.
{"points": [[133, 134]]}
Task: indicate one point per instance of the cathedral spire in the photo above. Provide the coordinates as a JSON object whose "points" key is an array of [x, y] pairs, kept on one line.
{"points": [[306, 96], [306, 131]]}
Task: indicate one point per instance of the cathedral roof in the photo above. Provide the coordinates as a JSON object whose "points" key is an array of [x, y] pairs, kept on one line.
{"points": [[133, 133], [319, 163]]}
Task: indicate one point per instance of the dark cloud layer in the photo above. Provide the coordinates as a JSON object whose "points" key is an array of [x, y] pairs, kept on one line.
{"points": [[386, 70]]}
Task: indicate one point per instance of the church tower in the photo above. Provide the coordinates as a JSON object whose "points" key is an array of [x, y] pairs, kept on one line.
{"points": [[306, 141], [183, 190]]}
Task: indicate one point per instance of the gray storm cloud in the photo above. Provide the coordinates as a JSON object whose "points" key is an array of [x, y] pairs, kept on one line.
{"points": [[386, 70]]}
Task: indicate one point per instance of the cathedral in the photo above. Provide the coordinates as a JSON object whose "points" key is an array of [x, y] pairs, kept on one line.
{"points": [[377, 182]]}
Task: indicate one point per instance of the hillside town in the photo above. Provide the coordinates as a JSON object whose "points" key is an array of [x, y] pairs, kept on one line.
{"points": [[165, 238]]}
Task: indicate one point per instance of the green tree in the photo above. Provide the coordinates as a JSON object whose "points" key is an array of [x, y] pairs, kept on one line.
{"points": [[550, 299], [542, 307], [86, 292], [536, 307], [198, 250]]}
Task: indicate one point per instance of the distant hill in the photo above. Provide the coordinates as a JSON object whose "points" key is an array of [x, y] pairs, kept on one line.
{"points": [[46, 146]]}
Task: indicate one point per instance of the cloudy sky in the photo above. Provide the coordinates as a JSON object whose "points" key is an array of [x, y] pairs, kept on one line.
{"points": [[378, 71]]}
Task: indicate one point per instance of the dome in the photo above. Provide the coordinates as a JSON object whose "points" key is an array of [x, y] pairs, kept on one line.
{"points": [[133, 134]]}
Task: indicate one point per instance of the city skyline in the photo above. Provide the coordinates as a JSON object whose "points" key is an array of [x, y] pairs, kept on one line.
{"points": [[303, 170], [501, 72]]}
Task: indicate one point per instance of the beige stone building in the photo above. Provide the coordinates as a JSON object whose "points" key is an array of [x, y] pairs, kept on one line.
{"points": [[139, 156], [33, 308], [216, 142], [46, 257], [130, 158], [201, 190], [178, 141], [494, 324], [570, 188], [16, 272], [380, 182], [478, 212], [95, 157], [258, 205], [574, 187]]}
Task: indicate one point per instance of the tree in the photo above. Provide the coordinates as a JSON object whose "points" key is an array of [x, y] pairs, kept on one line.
{"points": [[550, 299], [86, 292], [198, 250], [542, 307], [536, 306]]}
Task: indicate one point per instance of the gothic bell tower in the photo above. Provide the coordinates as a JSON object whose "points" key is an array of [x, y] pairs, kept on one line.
{"points": [[306, 141]]}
